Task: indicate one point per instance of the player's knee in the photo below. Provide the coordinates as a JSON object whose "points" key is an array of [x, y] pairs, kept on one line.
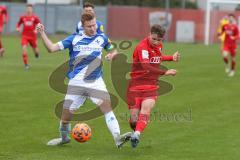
{"points": [[225, 53]]}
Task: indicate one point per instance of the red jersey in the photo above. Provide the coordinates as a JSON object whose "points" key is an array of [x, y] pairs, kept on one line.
{"points": [[147, 55], [231, 31], [3, 15], [29, 25]]}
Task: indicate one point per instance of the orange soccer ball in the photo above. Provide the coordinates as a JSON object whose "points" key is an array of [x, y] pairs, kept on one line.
{"points": [[81, 132]]}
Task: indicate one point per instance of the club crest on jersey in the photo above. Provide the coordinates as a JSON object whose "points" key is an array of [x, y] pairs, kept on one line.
{"points": [[145, 54], [155, 59]]}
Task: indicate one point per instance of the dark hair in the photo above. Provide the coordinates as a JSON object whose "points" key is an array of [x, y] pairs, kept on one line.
{"points": [[231, 15], [87, 17], [29, 5], [159, 30], [88, 4]]}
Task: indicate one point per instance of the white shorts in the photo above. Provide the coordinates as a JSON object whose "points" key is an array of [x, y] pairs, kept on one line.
{"points": [[79, 90]]}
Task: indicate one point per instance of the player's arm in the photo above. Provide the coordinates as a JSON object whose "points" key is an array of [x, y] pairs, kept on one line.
{"points": [[5, 16], [111, 51], [50, 46], [236, 34], [144, 60], [100, 26], [175, 57], [221, 31], [20, 21]]}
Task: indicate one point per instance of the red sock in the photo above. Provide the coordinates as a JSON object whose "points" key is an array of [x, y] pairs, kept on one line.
{"points": [[25, 58], [132, 124], [142, 122], [233, 65], [1, 44], [225, 60]]}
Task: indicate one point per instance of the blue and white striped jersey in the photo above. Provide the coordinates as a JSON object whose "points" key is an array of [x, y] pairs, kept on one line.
{"points": [[85, 55], [99, 26]]}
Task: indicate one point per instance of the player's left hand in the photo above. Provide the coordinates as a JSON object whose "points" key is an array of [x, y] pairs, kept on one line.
{"points": [[176, 56], [109, 56], [232, 37], [40, 27]]}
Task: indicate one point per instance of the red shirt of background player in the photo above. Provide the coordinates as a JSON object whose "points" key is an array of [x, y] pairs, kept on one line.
{"points": [[231, 31], [29, 24], [3, 16]]}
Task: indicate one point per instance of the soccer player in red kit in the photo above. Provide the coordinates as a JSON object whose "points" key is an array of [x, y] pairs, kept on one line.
{"points": [[3, 20], [29, 34], [143, 85], [230, 44]]}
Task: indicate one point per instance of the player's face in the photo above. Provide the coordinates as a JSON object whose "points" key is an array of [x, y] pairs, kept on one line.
{"points": [[29, 10], [155, 40], [232, 20], [88, 10], [90, 27]]}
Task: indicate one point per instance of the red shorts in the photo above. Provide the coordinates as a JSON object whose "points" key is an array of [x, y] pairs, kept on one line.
{"points": [[31, 41], [230, 49], [137, 94]]}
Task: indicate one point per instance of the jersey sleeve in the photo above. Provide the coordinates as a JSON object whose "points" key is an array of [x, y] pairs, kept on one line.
{"points": [[100, 28], [108, 46], [37, 20], [5, 15], [66, 43], [20, 21], [167, 58]]}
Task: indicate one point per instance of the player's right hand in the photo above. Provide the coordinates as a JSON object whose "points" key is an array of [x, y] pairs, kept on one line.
{"points": [[40, 27], [18, 29], [171, 72]]}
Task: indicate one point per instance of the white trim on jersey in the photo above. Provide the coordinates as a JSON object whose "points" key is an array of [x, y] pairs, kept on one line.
{"points": [[60, 44]]}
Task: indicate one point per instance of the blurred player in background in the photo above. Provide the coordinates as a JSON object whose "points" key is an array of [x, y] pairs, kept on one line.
{"points": [[142, 90], [230, 44], [85, 52], [29, 34], [88, 7], [223, 21], [3, 20]]}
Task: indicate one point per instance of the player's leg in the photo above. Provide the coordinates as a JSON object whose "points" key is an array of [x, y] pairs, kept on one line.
{"points": [[1, 46], [33, 43], [134, 106], [143, 119], [225, 55], [134, 112], [112, 123], [100, 96], [233, 63], [24, 44], [71, 103]]}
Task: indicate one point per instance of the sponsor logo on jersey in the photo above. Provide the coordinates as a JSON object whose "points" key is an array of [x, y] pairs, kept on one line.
{"points": [[82, 48], [155, 59]]}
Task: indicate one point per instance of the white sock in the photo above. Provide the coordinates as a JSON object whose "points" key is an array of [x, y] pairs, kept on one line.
{"points": [[65, 129], [138, 133], [112, 124]]}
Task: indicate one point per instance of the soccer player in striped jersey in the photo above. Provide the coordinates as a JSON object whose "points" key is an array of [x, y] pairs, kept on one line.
{"points": [[85, 76], [88, 7]]}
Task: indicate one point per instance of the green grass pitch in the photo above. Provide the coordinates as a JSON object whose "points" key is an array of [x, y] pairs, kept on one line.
{"points": [[198, 120]]}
